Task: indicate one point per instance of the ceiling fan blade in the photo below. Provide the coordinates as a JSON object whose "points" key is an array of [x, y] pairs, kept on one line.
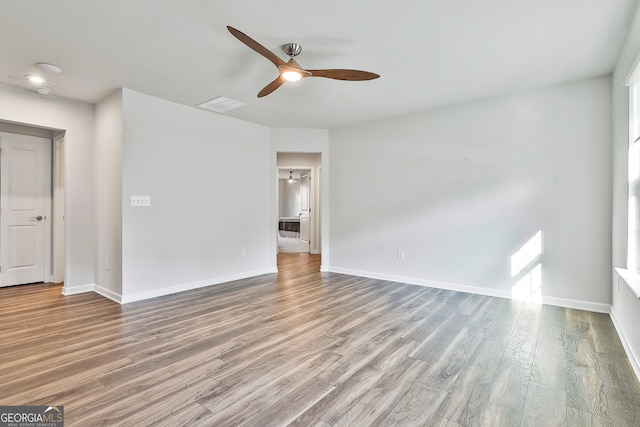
{"points": [[256, 46], [271, 87], [355, 75]]}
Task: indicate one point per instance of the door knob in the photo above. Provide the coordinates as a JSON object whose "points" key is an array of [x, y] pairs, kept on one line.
{"points": [[37, 218]]}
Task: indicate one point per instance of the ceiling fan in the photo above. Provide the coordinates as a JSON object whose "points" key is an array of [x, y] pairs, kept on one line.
{"points": [[291, 71]]}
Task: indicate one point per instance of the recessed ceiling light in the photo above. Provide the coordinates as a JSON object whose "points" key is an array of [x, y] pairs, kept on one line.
{"points": [[35, 79], [50, 68], [43, 90], [220, 104]]}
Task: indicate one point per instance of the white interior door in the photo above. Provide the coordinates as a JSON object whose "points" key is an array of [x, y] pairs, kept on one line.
{"points": [[24, 181], [305, 211]]}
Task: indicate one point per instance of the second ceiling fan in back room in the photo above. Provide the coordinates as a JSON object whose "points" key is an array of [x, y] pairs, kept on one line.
{"points": [[291, 71]]}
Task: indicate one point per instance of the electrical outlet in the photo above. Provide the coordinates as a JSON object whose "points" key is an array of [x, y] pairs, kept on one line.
{"points": [[140, 201], [107, 263], [243, 251], [400, 254]]}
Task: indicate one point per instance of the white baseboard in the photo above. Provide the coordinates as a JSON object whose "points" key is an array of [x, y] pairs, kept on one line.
{"points": [[79, 289], [421, 282], [120, 299], [107, 293], [139, 296], [500, 293], [633, 357], [577, 304], [92, 287], [560, 302]]}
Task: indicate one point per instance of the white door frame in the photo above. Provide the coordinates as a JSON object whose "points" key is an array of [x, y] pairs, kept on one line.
{"points": [[58, 244]]}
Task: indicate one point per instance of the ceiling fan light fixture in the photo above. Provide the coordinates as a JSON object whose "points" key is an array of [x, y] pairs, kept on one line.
{"points": [[291, 76]]}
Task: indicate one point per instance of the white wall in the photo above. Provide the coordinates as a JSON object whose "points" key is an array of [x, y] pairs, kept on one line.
{"points": [[300, 141], [108, 172], [76, 118], [625, 308], [288, 198], [460, 190], [208, 179]]}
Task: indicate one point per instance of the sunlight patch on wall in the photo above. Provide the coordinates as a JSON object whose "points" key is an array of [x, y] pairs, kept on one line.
{"points": [[526, 268], [529, 288]]}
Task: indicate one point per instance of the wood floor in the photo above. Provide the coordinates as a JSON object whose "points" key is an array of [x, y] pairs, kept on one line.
{"points": [[305, 348]]}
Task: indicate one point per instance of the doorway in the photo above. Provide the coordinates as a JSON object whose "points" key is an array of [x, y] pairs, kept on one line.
{"points": [[31, 205], [294, 212], [298, 202]]}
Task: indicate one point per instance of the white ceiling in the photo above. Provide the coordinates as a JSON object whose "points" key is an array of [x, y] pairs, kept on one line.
{"points": [[429, 53]]}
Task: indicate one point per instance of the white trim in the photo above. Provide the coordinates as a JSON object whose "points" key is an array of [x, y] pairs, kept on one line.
{"points": [[631, 279], [80, 289], [632, 356], [140, 296], [577, 304], [634, 73], [107, 293], [428, 283], [48, 203], [500, 293], [57, 211]]}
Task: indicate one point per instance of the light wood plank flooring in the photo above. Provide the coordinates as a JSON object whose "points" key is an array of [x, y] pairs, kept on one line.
{"points": [[305, 348]]}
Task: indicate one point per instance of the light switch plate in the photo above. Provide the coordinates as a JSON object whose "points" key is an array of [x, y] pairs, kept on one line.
{"points": [[140, 200]]}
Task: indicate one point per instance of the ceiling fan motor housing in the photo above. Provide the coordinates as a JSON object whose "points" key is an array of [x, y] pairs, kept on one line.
{"points": [[292, 49]]}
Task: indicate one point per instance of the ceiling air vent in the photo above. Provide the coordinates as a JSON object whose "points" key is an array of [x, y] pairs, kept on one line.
{"points": [[220, 104]]}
